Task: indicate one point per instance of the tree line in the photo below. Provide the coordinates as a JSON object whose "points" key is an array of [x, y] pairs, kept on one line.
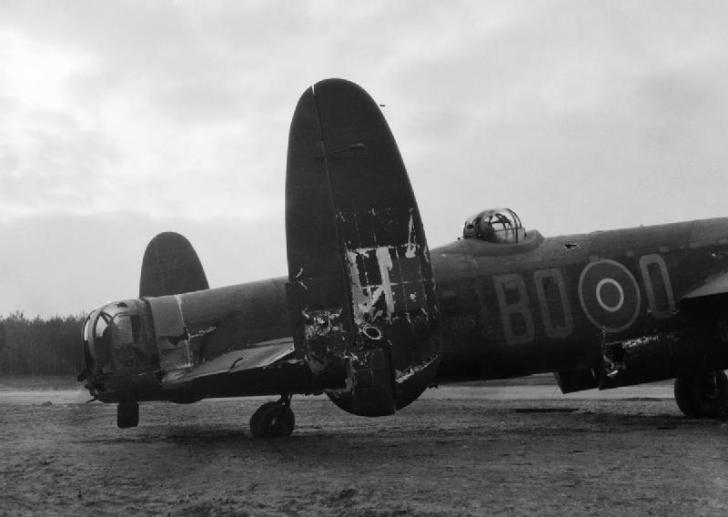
{"points": [[40, 346]]}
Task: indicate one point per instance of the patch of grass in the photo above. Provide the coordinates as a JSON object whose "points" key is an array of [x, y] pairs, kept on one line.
{"points": [[40, 382]]}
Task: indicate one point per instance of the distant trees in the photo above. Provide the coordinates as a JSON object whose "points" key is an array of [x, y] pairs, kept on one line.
{"points": [[39, 346]]}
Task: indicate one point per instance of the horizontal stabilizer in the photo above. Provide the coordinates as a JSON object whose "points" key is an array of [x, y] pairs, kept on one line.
{"points": [[170, 266], [259, 356]]}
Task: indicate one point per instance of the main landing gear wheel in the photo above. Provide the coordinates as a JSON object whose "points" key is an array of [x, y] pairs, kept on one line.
{"points": [[273, 419], [703, 396], [127, 414]]}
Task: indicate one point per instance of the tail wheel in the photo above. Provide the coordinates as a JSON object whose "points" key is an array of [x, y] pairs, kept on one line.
{"points": [[272, 420], [703, 396]]}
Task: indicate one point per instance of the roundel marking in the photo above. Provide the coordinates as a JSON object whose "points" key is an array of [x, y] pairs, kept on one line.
{"points": [[612, 287], [609, 295]]}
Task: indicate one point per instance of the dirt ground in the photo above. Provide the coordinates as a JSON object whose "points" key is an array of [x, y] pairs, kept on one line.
{"points": [[460, 451]]}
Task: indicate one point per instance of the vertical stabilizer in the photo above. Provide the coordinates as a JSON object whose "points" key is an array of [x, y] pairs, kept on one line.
{"points": [[170, 266], [361, 290]]}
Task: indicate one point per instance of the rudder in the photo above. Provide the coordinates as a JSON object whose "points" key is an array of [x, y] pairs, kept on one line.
{"points": [[361, 290]]}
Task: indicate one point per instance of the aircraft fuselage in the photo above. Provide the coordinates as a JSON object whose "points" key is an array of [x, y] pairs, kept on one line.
{"points": [[555, 304], [601, 309], [544, 305]]}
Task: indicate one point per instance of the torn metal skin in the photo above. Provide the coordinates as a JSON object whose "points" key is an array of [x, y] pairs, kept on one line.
{"points": [[643, 357], [403, 376], [324, 336]]}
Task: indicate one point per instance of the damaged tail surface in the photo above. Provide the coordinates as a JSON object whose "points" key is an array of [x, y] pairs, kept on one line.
{"points": [[361, 290]]}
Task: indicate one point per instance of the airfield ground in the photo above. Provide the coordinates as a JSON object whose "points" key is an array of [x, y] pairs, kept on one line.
{"points": [[493, 450]]}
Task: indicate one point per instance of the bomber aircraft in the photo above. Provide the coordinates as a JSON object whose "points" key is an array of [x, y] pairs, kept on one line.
{"points": [[372, 317]]}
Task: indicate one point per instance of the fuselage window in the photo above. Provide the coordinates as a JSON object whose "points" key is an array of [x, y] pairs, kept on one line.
{"points": [[102, 323]]}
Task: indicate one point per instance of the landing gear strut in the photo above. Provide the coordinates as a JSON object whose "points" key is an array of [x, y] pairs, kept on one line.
{"points": [[273, 419], [127, 414], [703, 396]]}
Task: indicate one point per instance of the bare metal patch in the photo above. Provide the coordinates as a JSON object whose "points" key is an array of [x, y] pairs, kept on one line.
{"points": [[620, 356], [411, 245], [402, 376]]}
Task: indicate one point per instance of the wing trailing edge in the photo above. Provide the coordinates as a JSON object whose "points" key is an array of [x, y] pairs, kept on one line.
{"points": [[714, 286]]}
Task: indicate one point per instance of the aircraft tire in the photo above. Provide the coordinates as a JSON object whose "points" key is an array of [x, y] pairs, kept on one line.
{"points": [[683, 396], [127, 414], [703, 396], [272, 420]]}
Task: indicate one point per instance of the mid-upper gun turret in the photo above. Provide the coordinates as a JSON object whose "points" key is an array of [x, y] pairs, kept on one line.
{"points": [[499, 225]]}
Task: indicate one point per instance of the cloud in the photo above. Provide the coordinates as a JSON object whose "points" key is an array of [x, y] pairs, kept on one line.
{"points": [[580, 116]]}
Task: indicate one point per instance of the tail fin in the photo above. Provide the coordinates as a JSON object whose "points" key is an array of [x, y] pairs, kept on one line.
{"points": [[170, 266], [361, 291]]}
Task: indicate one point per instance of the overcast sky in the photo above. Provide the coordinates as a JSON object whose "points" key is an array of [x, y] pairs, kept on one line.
{"points": [[119, 120]]}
